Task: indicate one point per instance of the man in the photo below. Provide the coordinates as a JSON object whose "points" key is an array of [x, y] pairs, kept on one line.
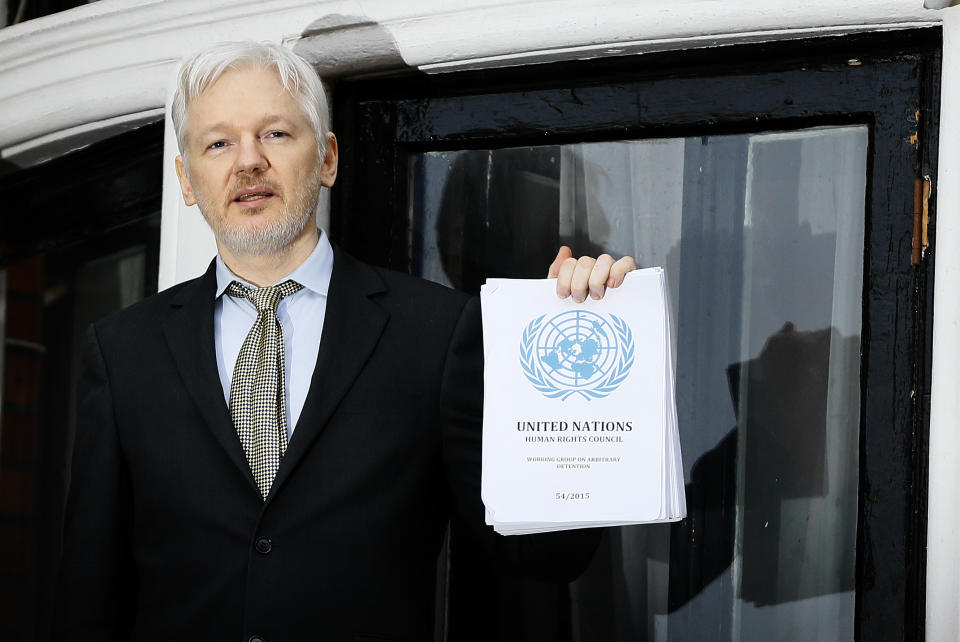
{"points": [[238, 478]]}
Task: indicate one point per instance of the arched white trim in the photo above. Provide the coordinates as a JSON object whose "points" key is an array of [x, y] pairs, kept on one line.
{"points": [[114, 57]]}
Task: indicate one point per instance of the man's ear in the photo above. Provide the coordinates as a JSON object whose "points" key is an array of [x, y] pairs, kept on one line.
{"points": [[328, 173], [185, 187]]}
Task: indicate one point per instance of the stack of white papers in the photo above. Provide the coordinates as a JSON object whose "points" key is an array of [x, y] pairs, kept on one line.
{"points": [[579, 417]]}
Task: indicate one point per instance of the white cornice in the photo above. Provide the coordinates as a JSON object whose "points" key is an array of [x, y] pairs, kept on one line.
{"points": [[117, 57]]}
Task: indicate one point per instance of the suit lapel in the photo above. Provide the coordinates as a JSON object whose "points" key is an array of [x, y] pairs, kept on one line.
{"points": [[351, 328], [190, 336]]}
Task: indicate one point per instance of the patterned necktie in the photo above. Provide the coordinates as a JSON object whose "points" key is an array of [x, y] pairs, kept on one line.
{"points": [[257, 399]]}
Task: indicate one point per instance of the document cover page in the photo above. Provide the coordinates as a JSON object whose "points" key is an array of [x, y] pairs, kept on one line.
{"points": [[579, 421]]}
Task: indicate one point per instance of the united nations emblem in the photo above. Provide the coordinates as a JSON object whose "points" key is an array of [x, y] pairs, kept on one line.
{"points": [[576, 352]]}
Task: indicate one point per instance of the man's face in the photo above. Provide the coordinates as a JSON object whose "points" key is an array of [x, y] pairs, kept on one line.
{"points": [[253, 164]]}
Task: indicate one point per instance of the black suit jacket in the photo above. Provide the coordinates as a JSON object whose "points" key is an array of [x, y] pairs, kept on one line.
{"points": [[166, 535]]}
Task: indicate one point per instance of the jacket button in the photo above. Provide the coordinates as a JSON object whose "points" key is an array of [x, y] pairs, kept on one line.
{"points": [[263, 546], [255, 638]]}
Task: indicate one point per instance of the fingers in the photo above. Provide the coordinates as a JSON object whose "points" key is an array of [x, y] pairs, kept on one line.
{"points": [[619, 270], [580, 279], [565, 277], [588, 276], [563, 254], [600, 276]]}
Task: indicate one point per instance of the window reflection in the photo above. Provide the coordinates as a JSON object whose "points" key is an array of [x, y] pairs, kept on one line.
{"points": [[46, 304], [761, 236]]}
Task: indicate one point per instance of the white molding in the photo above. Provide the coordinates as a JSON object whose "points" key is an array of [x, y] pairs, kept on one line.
{"points": [[114, 57], [117, 122], [528, 30], [55, 144], [609, 49], [943, 507]]}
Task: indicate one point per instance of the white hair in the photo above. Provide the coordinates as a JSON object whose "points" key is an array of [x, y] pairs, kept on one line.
{"points": [[297, 76]]}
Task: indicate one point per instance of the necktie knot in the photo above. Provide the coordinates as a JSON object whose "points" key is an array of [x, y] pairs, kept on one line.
{"points": [[264, 299]]}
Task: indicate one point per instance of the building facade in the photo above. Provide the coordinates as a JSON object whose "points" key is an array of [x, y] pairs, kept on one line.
{"points": [[793, 167]]}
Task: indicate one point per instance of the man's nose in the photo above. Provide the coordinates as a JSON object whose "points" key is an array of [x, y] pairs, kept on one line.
{"points": [[251, 156]]}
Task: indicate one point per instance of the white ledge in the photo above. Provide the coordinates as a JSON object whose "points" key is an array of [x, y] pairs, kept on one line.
{"points": [[116, 57]]}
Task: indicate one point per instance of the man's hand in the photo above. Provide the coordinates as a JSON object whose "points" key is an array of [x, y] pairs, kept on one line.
{"points": [[577, 277]]}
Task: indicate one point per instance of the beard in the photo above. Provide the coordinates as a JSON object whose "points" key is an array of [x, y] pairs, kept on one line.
{"points": [[272, 235]]}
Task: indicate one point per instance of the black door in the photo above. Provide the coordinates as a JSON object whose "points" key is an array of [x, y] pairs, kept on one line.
{"points": [[775, 184]]}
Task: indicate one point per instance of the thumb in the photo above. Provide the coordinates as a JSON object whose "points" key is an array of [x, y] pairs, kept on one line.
{"points": [[563, 254]]}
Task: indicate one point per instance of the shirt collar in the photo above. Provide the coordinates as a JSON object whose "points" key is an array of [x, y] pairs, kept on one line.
{"points": [[313, 274]]}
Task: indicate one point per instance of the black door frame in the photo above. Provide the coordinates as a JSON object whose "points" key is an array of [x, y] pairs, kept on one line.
{"points": [[887, 81]]}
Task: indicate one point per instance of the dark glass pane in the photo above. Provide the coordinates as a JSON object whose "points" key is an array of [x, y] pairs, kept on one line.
{"points": [[762, 237], [47, 303]]}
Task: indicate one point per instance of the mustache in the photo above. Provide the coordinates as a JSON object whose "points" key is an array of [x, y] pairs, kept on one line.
{"points": [[250, 181]]}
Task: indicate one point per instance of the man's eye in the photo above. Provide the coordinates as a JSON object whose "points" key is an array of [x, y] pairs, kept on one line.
{"points": [[277, 134], [217, 145]]}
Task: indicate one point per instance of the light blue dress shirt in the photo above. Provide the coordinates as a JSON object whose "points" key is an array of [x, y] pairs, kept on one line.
{"points": [[301, 314]]}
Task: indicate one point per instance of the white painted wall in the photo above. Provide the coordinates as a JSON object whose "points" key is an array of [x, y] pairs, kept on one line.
{"points": [[186, 243], [943, 508]]}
